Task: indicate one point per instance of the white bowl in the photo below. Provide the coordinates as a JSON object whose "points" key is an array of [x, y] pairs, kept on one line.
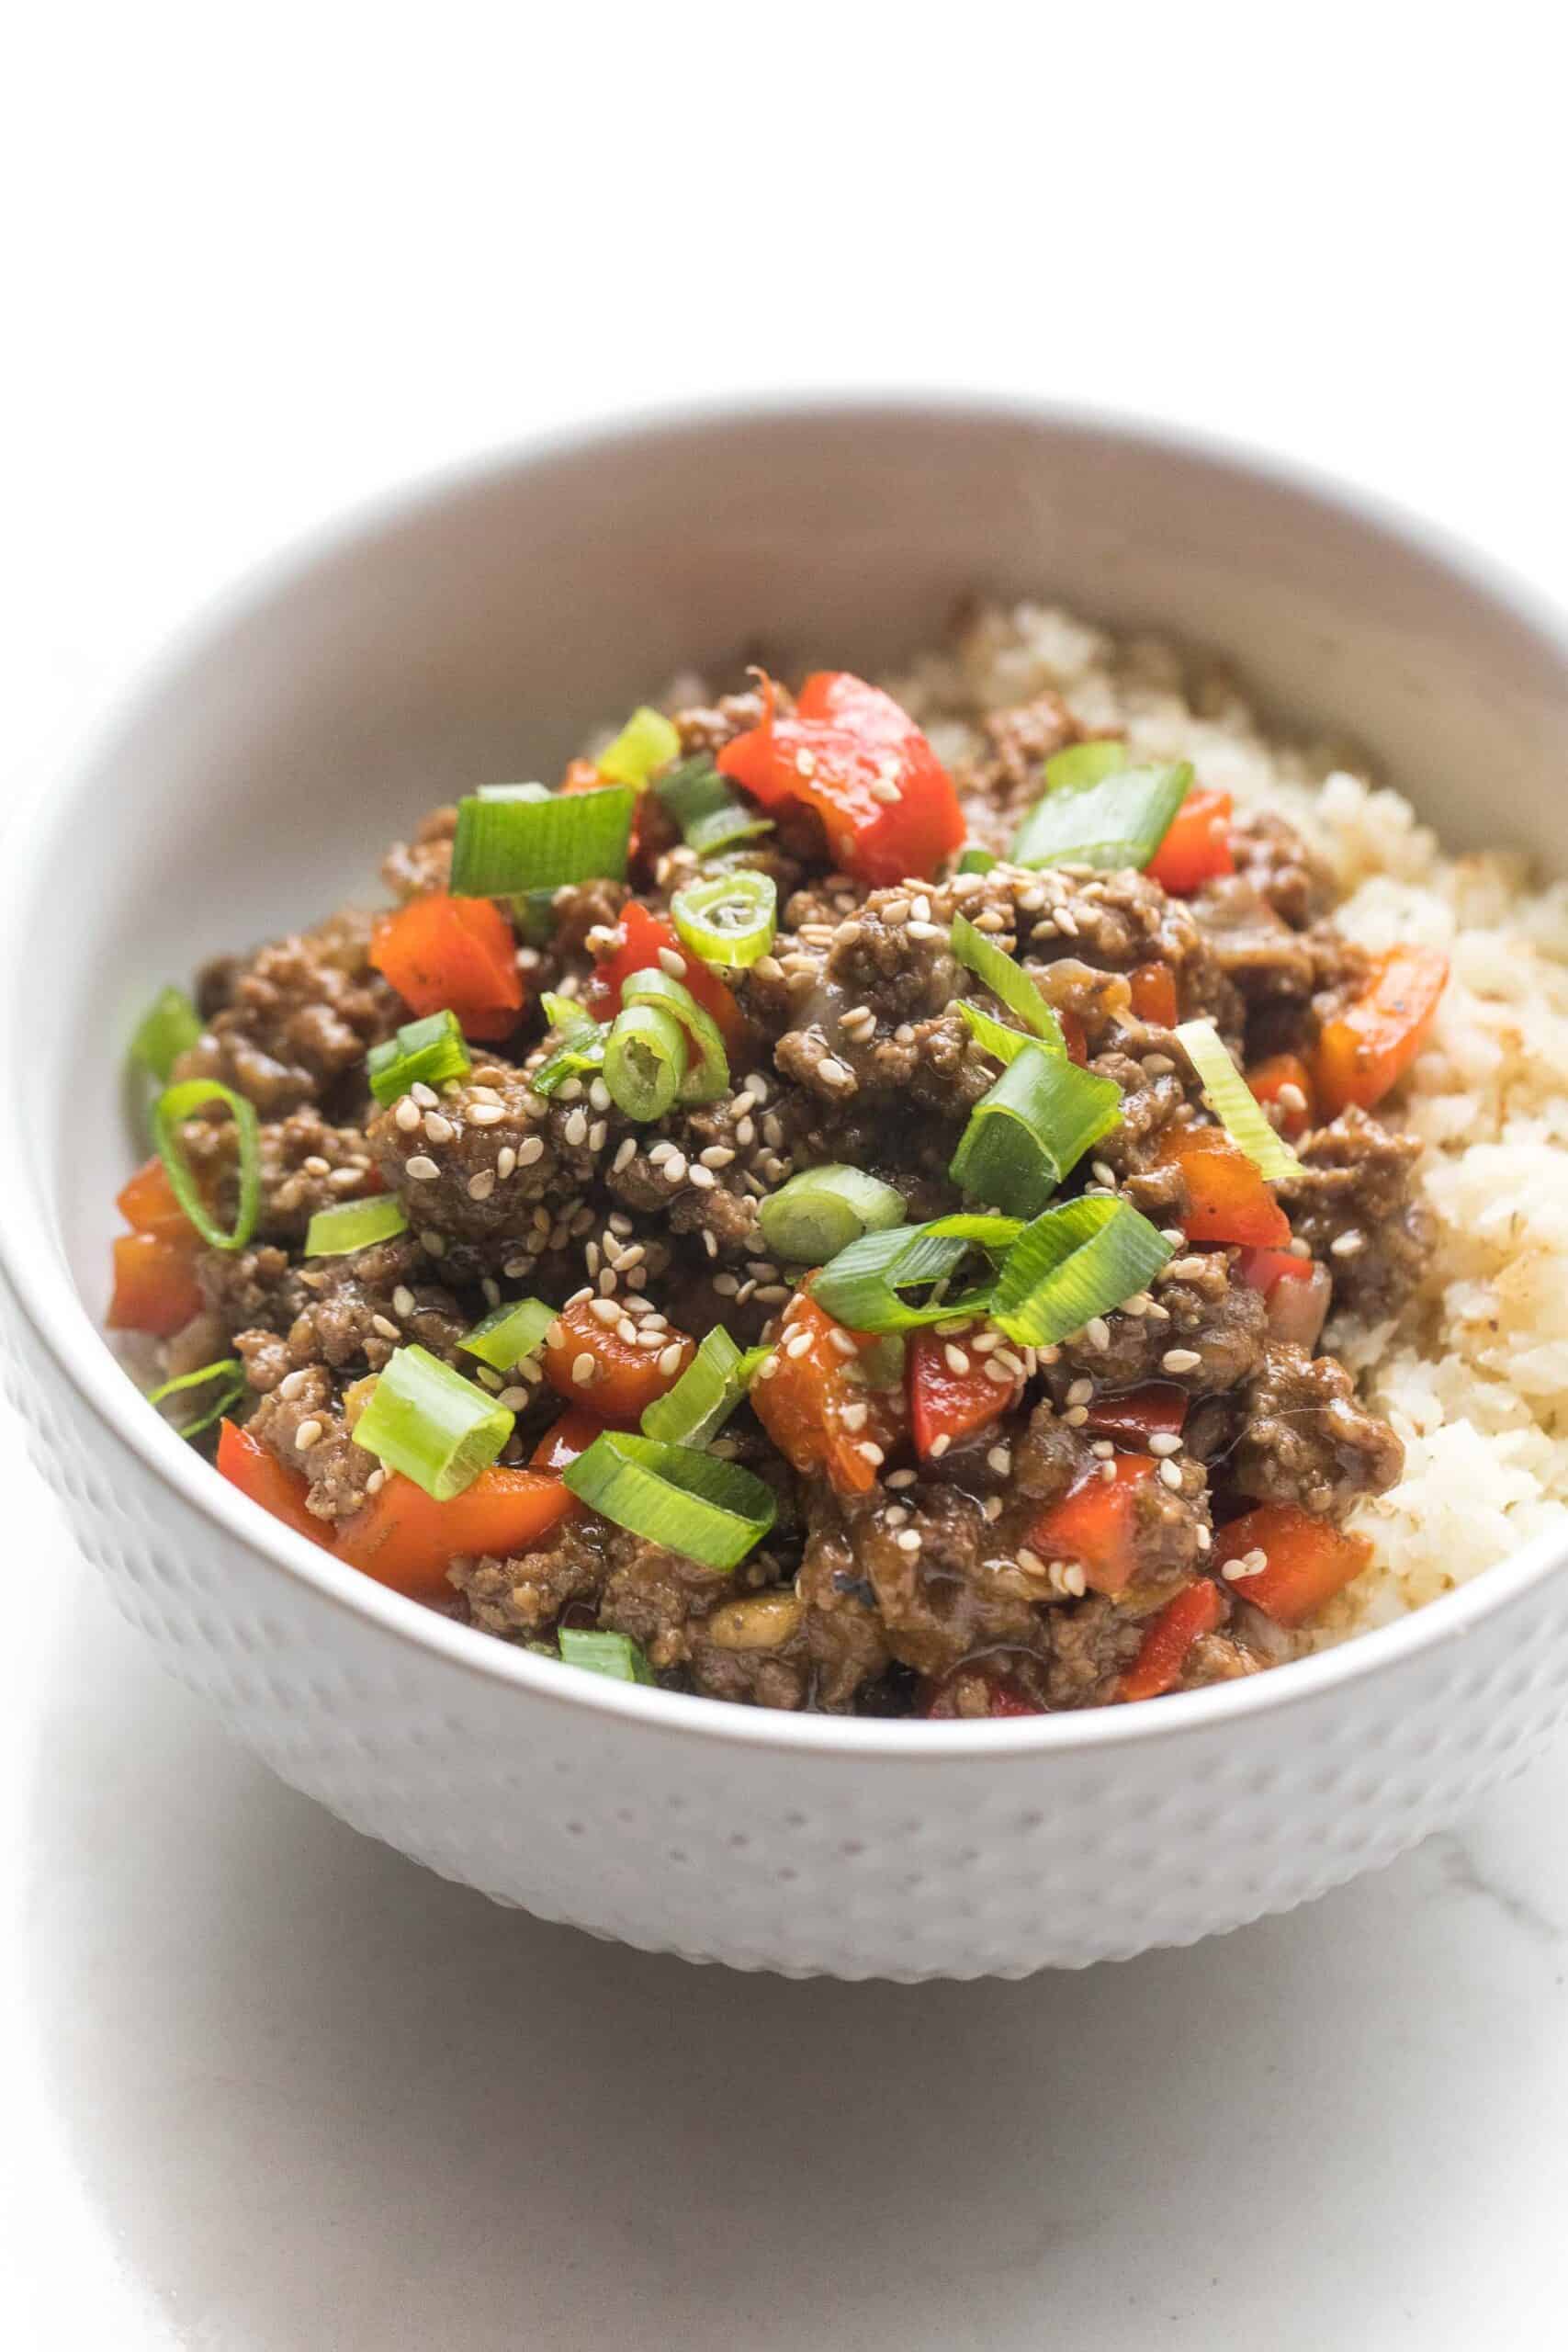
{"points": [[472, 632]]}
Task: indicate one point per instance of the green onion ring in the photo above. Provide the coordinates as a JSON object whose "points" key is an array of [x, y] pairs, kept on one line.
{"points": [[645, 1061], [177, 1104], [730, 919]]}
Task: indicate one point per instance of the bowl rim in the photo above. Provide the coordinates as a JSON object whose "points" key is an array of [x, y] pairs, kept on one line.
{"points": [[33, 1263]]}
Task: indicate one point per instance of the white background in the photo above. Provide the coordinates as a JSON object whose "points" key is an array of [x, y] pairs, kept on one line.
{"points": [[263, 2086]]}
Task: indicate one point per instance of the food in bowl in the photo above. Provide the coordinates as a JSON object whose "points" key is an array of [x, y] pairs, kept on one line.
{"points": [[970, 1198]]}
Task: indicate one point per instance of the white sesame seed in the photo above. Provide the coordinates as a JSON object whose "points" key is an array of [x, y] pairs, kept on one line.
{"points": [[423, 1170], [479, 1114], [869, 1451], [1171, 1476], [727, 1284], [1097, 1330], [307, 1435], [1103, 1448], [703, 1178], [899, 1479], [833, 1073], [940, 1446], [1080, 1391], [407, 1115], [669, 1360], [841, 1340], [597, 1135], [599, 1095], [745, 1132], [1000, 1457], [1180, 1360], [1204, 1538], [604, 1310], [575, 1128], [583, 1369], [718, 1155], [532, 1147], [293, 1381], [674, 1170], [956, 1359], [505, 1161], [482, 1186], [425, 1096], [992, 1507], [800, 1345], [1076, 1416], [1347, 1245], [908, 1538], [673, 964], [994, 1369]]}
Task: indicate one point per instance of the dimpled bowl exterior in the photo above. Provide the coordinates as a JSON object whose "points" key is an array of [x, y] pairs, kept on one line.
{"points": [[464, 638]]}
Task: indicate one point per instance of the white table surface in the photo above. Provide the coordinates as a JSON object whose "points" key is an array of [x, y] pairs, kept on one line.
{"points": [[263, 2084]]}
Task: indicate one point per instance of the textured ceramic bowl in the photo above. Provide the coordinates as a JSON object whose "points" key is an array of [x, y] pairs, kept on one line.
{"points": [[472, 632]]}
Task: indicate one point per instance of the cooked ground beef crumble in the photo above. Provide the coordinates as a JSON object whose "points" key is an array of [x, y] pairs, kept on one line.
{"points": [[924, 1590]]}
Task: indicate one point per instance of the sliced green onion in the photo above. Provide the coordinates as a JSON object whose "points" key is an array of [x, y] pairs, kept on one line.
{"points": [[976, 860], [432, 1050], [995, 1036], [1234, 1103], [173, 1107], [504, 848], [429, 1422], [646, 742], [991, 965], [710, 816], [354, 1225], [170, 1025], [582, 1048], [513, 792], [1121, 820], [1032, 1129], [707, 1510], [645, 1061], [696, 1408], [1083, 763], [563, 1011], [507, 1334], [228, 1370], [615, 1654], [1074, 1262], [730, 919], [707, 1069], [861, 1286], [823, 1210]]}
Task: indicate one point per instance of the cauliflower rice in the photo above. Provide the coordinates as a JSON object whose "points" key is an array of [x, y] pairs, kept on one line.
{"points": [[1473, 1373]]}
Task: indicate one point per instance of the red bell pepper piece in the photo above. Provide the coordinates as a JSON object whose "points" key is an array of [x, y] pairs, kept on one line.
{"points": [[1094, 1523], [1281, 1080], [404, 1538], [625, 1378], [1005, 1695], [1169, 1639], [640, 938], [155, 1288], [1227, 1199], [443, 954], [1308, 1561], [848, 750], [815, 1407], [1366, 1048], [565, 1439], [1074, 1036], [945, 1405], [253, 1467], [1197, 849], [1154, 994], [147, 1203], [1157, 1409], [1265, 1269]]}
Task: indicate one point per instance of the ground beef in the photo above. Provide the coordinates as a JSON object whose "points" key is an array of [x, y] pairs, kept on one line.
{"points": [[1205, 1332], [351, 1312], [413, 869], [524, 1597], [306, 1164], [1275, 860], [707, 727], [1092, 1644], [300, 1016], [302, 1424], [477, 1167], [1305, 1439], [1355, 1207]]}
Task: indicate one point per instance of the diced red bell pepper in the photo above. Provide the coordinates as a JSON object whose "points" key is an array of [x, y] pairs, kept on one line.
{"points": [[1281, 1080], [1157, 1409], [1197, 849], [443, 954], [625, 1377], [1308, 1561], [565, 1439], [404, 1538], [147, 1203], [253, 1467], [640, 941], [1228, 1198], [1265, 1269], [817, 1408], [848, 750], [1169, 1639], [1365, 1049], [1154, 994], [945, 1405], [155, 1288], [1094, 1523]]}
